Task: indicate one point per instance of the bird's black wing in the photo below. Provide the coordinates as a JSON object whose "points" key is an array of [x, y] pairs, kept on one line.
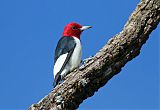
{"points": [[65, 45]]}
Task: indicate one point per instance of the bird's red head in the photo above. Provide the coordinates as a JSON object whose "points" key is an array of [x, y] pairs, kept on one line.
{"points": [[74, 29]]}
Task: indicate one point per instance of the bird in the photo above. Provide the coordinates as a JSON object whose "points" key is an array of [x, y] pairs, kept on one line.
{"points": [[68, 51]]}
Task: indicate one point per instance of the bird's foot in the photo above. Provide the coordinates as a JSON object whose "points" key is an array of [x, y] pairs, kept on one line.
{"points": [[83, 63]]}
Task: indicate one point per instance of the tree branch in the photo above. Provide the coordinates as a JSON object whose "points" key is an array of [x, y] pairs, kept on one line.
{"points": [[123, 47]]}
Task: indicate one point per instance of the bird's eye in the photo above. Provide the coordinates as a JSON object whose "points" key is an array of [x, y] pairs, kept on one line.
{"points": [[74, 28]]}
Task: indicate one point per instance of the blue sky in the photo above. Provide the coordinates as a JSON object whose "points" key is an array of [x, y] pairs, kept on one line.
{"points": [[29, 32]]}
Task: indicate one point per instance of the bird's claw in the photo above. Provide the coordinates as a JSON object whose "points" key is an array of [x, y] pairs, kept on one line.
{"points": [[83, 63]]}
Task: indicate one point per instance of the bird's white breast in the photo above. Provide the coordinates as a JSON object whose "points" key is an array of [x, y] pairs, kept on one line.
{"points": [[77, 55]]}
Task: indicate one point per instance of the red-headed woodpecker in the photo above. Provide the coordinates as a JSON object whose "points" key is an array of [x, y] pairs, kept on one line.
{"points": [[68, 52]]}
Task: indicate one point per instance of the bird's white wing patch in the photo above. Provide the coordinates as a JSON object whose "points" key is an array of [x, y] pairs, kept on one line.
{"points": [[59, 63]]}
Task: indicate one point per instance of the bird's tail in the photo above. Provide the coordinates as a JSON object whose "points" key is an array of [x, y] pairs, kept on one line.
{"points": [[56, 80]]}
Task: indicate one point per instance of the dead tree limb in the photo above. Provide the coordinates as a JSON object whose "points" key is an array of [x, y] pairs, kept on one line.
{"points": [[120, 49]]}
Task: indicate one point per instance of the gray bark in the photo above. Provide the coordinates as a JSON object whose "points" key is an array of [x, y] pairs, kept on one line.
{"points": [[123, 47]]}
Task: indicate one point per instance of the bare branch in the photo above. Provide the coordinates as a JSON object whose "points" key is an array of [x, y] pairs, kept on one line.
{"points": [[123, 47]]}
